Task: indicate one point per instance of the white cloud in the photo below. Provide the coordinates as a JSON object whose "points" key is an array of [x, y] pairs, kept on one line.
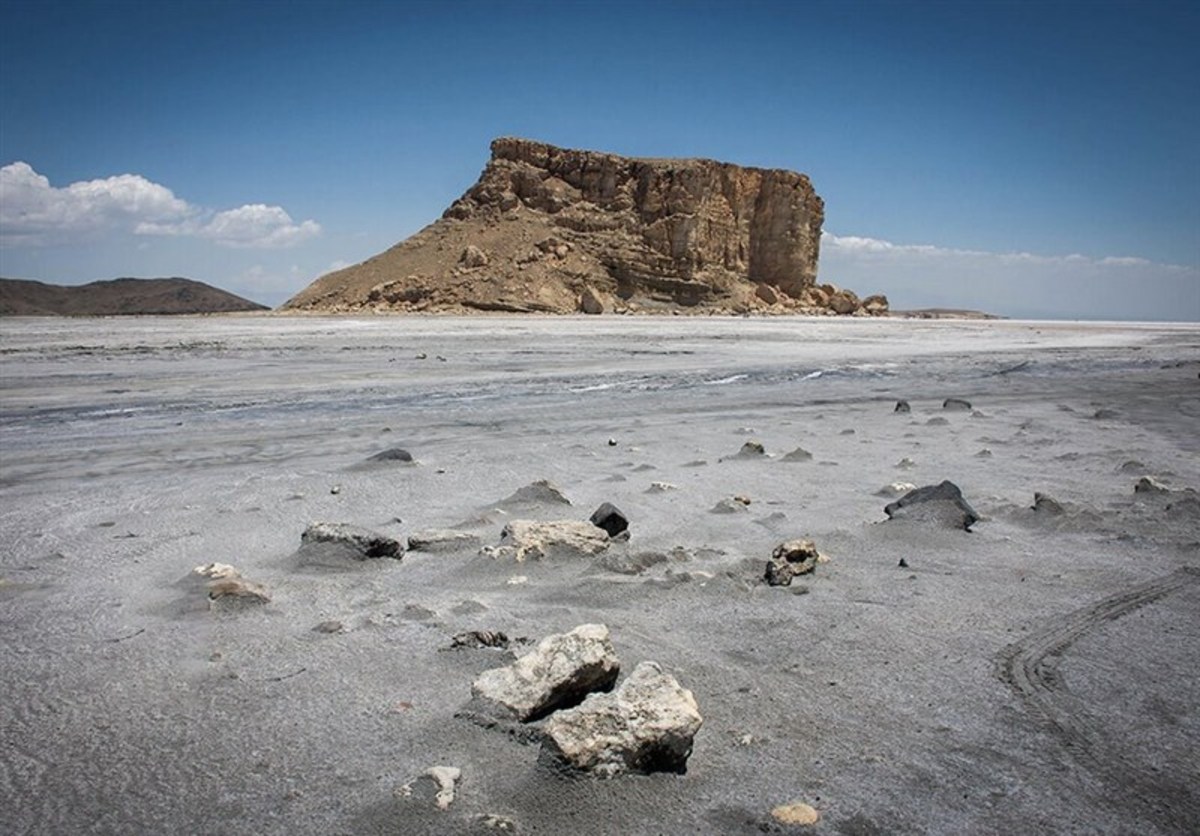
{"points": [[253, 225], [34, 213], [1012, 283]]}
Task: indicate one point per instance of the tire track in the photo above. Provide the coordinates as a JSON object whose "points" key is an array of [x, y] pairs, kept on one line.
{"points": [[1030, 667]]}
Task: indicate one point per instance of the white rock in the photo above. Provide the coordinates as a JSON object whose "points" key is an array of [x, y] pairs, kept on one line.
{"points": [[523, 539], [646, 725], [560, 671], [447, 778]]}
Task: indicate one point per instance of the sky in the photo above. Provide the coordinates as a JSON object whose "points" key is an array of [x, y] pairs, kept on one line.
{"points": [[1030, 159]]}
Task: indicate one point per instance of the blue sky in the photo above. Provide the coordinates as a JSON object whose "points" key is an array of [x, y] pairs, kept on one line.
{"points": [[1029, 158]]}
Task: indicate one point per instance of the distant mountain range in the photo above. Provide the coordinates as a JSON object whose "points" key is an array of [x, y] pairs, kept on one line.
{"points": [[118, 297]]}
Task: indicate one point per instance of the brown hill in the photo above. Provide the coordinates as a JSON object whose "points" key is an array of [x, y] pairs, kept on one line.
{"points": [[21, 297], [556, 230]]}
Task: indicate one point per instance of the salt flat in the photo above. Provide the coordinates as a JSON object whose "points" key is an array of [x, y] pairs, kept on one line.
{"points": [[1037, 674]]}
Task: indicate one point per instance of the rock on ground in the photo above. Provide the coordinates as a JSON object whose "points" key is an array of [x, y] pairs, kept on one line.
{"points": [[360, 543], [610, 518], [941, 504], [646, 725], [226, 586], [541, 492], [394, 454], [562, 670], [442, 540], [524, 539], [791, 558]]}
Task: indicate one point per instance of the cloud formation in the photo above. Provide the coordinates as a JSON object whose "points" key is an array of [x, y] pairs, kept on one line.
{"points": [[1014, 283], [33, 213]]}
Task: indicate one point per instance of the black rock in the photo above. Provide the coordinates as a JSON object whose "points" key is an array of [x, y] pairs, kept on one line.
{"points": [[941, 503], [902, 406], [610, 518], [395, 454], [956, 403]]}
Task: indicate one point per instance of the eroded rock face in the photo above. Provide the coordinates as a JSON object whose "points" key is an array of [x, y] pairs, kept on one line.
{"points": [[557, 230], [646, 725], [562, 670]]}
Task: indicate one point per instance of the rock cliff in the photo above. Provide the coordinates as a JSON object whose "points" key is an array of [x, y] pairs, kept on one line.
{"points": [[556, 230]]}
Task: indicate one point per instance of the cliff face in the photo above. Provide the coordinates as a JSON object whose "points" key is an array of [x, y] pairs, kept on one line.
{"points": [[557, 230]]}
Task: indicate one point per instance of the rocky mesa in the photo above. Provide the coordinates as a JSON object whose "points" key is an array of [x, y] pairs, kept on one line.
{"points": [[555, 230]]}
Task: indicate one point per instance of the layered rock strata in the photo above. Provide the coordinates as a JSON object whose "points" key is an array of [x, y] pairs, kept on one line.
{"points": [[553, 230]]}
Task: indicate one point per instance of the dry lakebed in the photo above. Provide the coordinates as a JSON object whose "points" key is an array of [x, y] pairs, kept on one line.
{"points": [[1037, 673]]}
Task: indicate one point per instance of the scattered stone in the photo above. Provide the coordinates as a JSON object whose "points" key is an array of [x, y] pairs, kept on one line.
{"points": [[847, 432], [447, 778], [523, 539], [1047, 505], [729, 505], [335, 490], [437, 783], [791, 558], [796, 813], [590, 302], [661, 487], [984, 453], [896, 489], [942, 503], [361, 543], [742, 498], [903, 564], [751, 450], [902, 406], [472, 257], [1148, 484], [442, 540], [517, 580], [469, 607], [646, 725], [957, 404], [226, 586], [798, 455], [610, 518], [1105, 414], [562, 670], [541, 492], [480, 638], [331, 626], [501, 824], [612, 442], [906, 463], [394, 454]]}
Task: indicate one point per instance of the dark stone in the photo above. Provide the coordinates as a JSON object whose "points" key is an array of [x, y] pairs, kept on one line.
{"points": [[610, 518], [956, 403], [362, 543], [395, 454], [903, 563], [902, 406], [480, 638], [1048, 505], [941, 503]]}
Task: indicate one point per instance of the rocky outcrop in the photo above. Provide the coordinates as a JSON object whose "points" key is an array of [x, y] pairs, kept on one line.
{"points": [[549, 229]]}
